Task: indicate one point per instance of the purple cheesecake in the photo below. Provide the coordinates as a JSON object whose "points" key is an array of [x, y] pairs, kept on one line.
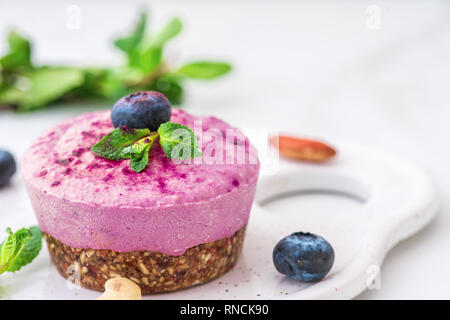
{"points": [[171, 226]]}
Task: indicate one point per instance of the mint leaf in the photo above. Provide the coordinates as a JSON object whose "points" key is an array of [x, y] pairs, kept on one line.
{"points": [[10, 95], [7, 250], [178, 141], [30, 248], [21, 235], [19, 55], [146, 60], [204, 69], [129, 43], [170, 30], [46, 85], [113, 144], [138, 162], [138, 152], [147, 55], [20, 248]]}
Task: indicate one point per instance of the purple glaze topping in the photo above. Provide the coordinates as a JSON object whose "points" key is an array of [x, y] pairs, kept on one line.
{"points": [[64, 161], [108, 177], [43, 173], [78, 152], [55, 183]]}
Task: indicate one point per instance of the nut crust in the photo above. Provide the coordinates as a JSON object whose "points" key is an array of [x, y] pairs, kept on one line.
{"points": [[154, 272]]}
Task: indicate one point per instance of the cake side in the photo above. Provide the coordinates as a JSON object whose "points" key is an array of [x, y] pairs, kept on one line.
{"points": [[170, 229]]}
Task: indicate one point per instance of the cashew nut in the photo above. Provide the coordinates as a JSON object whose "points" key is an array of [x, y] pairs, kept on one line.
{"points": [[121, 289]]}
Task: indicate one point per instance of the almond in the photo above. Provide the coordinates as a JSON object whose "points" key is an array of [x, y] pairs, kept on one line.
{"points": [[302, 149], [121, 289]]}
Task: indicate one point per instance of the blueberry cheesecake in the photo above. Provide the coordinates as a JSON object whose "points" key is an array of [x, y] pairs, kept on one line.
{"points": [[121, 194]]}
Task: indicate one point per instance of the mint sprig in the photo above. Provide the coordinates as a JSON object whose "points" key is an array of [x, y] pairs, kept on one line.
{"points": [[20, 248], [204, 69], [27, 86], [113, 144], [177, 141], [138, 152]]}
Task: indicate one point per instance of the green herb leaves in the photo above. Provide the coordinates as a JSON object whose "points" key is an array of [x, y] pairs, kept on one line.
{"points": [[169, 31], [129, 43], [7, 250], [45, 85], [19, 248], [19, 55], [115, 143], [138, 152], [177, 141], [26, 86], [204, 69]]}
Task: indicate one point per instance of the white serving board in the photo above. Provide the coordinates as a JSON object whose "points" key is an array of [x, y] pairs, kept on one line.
{"points": [[399, 199]]}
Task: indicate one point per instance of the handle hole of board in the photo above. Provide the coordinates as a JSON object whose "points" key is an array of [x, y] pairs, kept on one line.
{"points": [[310, 182]]}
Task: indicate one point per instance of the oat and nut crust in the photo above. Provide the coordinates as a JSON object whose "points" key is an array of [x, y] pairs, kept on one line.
{"points": [[154, 272]]}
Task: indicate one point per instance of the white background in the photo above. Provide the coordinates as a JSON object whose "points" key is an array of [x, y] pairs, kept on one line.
{"points": [[317, 68]]}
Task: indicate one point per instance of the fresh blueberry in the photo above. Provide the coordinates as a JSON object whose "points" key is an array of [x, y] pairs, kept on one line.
{"points": [[303, 256], [145, 109], [7, 167]]}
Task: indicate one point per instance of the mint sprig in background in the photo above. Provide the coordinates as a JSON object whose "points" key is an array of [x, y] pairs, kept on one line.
{"points": [[26, 86], [20, 248], [177, 141]]}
